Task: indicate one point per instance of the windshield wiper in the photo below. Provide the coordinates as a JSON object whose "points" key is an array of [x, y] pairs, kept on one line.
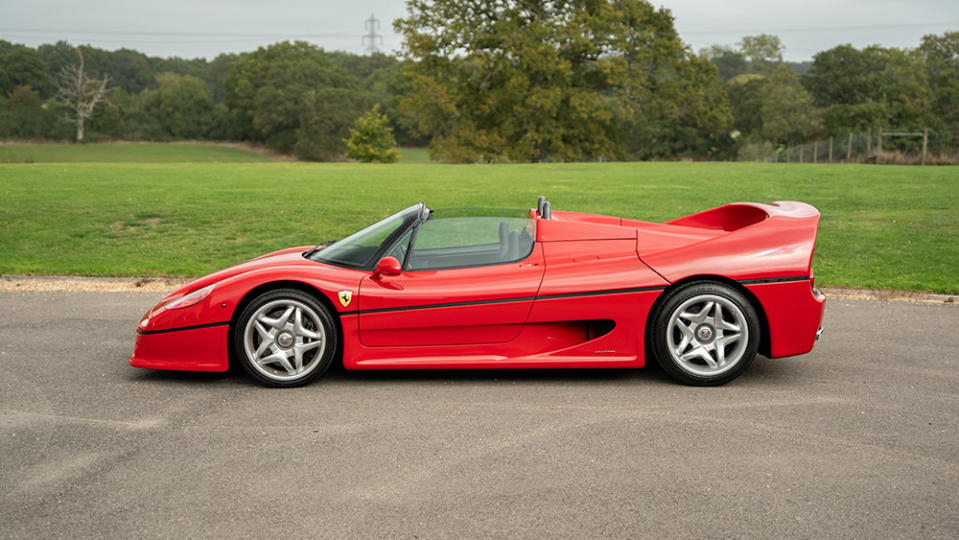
{"points": [[308, 253]]}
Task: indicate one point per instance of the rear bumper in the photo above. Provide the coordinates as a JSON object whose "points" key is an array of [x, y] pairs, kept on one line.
{"points": [[194, 349], [794, 313]]}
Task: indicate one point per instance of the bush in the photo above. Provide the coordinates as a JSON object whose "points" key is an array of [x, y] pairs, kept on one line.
{"points": [[371, 139]]}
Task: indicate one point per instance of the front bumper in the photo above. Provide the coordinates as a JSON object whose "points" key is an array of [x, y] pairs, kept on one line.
{"points": [[191, 349]]}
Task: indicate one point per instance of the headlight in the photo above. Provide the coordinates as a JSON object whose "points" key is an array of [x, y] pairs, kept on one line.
{"points": [[194, 297]]}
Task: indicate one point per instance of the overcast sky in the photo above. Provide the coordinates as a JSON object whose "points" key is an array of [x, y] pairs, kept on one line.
{"points": [[204, 28]]}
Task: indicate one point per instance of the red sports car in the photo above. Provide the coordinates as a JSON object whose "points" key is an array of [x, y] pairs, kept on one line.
{"points": [[425, 289]]}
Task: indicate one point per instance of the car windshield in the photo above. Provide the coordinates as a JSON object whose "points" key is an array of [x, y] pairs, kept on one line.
{"points": [[359, 249]]}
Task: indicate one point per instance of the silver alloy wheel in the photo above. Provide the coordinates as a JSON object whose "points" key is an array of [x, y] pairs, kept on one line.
{"points": [[707, 335], [284, 339]]}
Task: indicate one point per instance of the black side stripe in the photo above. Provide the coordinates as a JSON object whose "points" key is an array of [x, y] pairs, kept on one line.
{"points": [[758, 281], [772, 280], [194, 327], [513, 299], [597, 293]]}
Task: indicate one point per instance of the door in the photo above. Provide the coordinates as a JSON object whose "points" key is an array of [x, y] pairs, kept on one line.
{"points": [[465, 280]]}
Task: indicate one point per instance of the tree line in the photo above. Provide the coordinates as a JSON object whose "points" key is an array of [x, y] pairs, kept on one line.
{"points": [[293, 97], [842, 91], [496, 82]]}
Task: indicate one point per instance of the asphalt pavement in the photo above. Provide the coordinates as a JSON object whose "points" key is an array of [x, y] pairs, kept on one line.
{"points": [[858, 439]]}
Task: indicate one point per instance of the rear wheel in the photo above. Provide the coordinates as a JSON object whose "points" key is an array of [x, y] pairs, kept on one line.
{"points": [[284, 338], [705, 334]]}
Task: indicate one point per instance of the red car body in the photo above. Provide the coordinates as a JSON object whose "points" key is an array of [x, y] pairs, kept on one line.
{"points": [[581, 298]]}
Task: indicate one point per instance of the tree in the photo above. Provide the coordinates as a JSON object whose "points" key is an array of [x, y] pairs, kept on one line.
{"points": [[687, 114], [371, 139], [729, 62], [789, 115], [870, 88], [547, 81], [293, 98], [941, 59], [746, 93], [763, 52], [26, 112], [23, 66], [81, 93], [181, 106], [845, 75], [128, 69]]}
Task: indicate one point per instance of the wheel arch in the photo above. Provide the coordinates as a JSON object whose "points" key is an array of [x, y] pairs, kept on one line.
{"points": [[283, 284], [764, 343]]}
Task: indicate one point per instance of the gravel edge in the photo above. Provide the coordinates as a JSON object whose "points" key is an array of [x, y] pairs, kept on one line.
{"points": [[11, 283], [89, 284]]}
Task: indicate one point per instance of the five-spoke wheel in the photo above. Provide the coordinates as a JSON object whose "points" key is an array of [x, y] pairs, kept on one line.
{"points": [[284, 337], [705, 333]]}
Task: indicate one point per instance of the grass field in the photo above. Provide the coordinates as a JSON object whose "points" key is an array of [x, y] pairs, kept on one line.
{"points": [[414, 155], [882, 226], [126, 152]]}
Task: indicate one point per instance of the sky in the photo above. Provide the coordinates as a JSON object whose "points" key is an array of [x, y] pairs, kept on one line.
{"points": [[205, 28]]}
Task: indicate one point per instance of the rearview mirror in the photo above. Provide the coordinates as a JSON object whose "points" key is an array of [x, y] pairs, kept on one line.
{"points": [[388, 266]]}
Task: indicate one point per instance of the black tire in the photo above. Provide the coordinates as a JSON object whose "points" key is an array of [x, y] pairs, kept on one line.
{"points": [[716, 351], [291, 333]]}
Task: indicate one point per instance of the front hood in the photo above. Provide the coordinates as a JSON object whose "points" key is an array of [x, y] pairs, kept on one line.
{"points": [[236, 281], [284, 257]]}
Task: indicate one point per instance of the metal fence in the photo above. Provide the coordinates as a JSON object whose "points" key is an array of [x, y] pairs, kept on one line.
{"points": [[874, 146]]}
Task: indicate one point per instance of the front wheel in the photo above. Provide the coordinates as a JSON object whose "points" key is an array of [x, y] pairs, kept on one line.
{"points": [[284, 338], [705, 334]]}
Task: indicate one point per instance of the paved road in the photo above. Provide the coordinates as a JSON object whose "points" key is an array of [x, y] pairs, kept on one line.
{"points": [[858, 439]]}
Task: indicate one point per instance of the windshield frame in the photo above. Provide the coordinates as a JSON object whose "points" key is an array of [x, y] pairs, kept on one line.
{"points": [[411, 215]]}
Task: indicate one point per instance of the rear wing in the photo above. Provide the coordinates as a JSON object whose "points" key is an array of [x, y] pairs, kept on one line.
{"points": [[748, 241]]}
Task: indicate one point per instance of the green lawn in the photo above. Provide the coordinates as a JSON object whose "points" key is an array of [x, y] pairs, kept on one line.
{"points": [[132, 152], [414, 155], [883, 226]]}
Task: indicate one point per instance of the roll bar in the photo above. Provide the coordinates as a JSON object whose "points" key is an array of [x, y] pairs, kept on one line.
{"points": [[543, 208]]}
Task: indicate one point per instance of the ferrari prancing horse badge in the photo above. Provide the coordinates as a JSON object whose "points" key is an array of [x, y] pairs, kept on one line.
{"points": [[346, 297]]}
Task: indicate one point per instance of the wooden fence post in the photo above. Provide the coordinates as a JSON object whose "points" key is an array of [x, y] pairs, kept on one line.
{"points": [[869, 140], [815, 150], [830, 149], [925, 140], [801, 148], [849, 148]]}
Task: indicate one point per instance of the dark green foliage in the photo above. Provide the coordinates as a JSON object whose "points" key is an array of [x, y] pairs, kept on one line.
{"points": [[380, 81], [871, 88], [789, 115], [507, 81], [181, 106], [21, 65], [940, 55], [845, 75], [768, 102], [556, 81], [763, 53], [729, 61], [58, 56], [294, 98], [26, 117]]}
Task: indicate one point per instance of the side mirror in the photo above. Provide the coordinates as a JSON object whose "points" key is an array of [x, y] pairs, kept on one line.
{"points": [[388, 266]]}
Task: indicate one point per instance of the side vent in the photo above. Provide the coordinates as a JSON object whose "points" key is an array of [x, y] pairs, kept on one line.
{"points": [[598, 328]]}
